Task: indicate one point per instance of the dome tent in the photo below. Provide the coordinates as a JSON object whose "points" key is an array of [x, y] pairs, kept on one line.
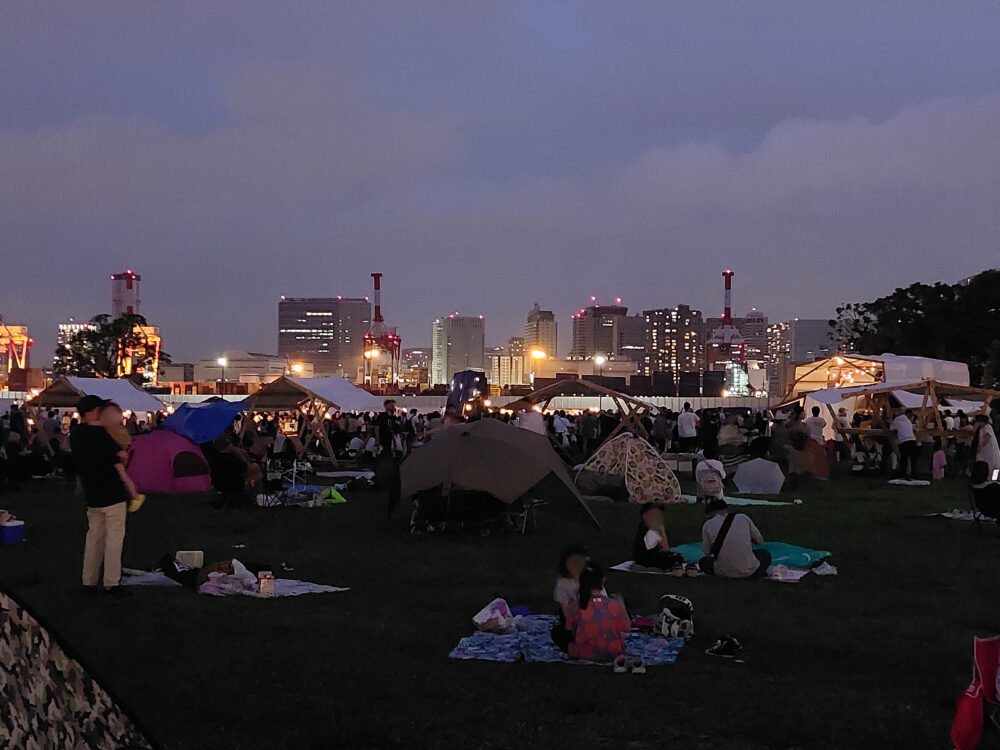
{"points": [[163, 462], [631, 461]]}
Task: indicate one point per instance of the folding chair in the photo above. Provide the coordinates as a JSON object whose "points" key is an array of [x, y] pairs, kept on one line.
{"points": [[978, 496]]}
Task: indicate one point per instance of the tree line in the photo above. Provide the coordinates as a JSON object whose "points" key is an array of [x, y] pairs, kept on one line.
{"points": [[959, 322]]}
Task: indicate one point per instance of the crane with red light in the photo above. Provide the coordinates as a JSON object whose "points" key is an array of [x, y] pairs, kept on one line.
{"points": [[382, 350]]}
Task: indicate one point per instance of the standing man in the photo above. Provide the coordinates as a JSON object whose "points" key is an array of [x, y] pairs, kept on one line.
{"points": [[906, 440], [687, 428], [95, 454], [389, 453]]}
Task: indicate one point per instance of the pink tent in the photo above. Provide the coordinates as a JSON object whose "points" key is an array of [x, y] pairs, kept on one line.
{"points": [[163, 462]]}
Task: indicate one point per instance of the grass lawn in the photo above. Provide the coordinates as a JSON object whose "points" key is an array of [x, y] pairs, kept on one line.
{"points": [[873, 658]]}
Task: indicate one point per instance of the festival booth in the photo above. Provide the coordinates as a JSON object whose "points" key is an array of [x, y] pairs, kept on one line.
{"points": [[849, 370], [65, 392], [314, 398], [928, 398], [632, 410]]}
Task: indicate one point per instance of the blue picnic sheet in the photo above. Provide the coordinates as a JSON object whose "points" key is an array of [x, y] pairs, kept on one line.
{"points": [[532, 642], [789, 555]]}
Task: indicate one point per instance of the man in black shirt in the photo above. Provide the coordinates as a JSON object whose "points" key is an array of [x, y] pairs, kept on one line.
{"points": [[98, 464], [387, 464]]}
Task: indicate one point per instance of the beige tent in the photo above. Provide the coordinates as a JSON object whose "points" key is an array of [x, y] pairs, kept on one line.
{"points": [[647, 477], [632, 410], [851, 370], [66, 391], [314, 397]]}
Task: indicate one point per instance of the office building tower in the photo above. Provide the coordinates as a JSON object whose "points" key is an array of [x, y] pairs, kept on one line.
{"points": [[125, 293], [326, 332], [753, 329], [505, 367], [541, 332], [809, 340], [596, 331], [674, 341], [457, 343], [631, 343]]}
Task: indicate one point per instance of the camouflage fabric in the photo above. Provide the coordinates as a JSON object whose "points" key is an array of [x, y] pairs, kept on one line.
{"points": [[48, 699]]}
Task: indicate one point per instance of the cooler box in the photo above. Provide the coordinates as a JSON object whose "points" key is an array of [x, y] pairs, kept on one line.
{"points": [[11, 532]]}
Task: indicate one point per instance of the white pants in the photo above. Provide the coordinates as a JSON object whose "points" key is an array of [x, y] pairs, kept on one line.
{"points": [[105, 537]]}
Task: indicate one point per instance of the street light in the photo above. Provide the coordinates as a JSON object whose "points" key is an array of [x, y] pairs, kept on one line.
{"points": [[221, 362], [297, 368], [599, 360], [537, 355]]}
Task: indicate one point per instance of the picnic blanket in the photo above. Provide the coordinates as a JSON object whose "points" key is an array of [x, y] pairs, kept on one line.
{"points": [[737, 500], [789, 555], [910, 482], [797, 559], [782, 573], [531, 642], [282, 586], [346, 474], [955, 515]]}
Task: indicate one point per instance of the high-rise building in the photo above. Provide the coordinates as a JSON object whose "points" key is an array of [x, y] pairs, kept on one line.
{"points": [[125, 293], [674, 341], [541, 331], [326, 332], [753, 329], [66, 332], [506, 366], [631, 343], [596, 331], [457, 343], [808, 340]]}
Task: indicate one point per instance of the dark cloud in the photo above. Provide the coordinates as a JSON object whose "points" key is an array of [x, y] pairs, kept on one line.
{"points": [[485, 156]]}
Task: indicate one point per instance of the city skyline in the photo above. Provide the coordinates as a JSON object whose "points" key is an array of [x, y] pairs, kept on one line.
{"points": [[485, 157]]}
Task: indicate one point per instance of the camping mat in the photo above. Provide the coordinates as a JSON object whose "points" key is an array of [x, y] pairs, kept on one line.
{"points": [[910, 482], [534, 644], [737, 501], [282, 586], [789, 555]]}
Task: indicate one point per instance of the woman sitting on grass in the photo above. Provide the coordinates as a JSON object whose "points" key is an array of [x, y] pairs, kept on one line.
{"points": [[598, 622], [650, 547], [572, 562]]}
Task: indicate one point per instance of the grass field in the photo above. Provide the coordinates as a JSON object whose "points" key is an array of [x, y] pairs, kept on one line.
{"points": [[873, 658]]}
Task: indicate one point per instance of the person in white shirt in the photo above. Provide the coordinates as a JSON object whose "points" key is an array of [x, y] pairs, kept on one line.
{"points": [[906, 443], [758, 476], [736, 557], [815, 426], [840, 442], [687, 428]]}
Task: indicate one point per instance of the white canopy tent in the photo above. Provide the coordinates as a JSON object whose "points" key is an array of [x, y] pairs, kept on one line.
{"points": [[66, 391], [849, 370], [929, 397], [315, 397], [287, 393]]}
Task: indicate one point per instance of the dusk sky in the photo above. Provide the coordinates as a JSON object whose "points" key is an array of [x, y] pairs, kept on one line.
{"points": [[485, 156]]}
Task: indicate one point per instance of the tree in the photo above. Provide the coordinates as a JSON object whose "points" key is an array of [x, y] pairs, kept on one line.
{"points": [[958, 322], [100, 351]]}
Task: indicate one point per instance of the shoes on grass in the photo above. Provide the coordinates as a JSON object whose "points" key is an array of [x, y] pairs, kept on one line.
{"points": [[727, 647], [117, 592]]}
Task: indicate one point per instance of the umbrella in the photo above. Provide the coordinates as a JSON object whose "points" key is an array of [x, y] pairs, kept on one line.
{"points": [[495, 457]]}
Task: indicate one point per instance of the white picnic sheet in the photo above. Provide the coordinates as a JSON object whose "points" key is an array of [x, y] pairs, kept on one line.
{"points": [[346, 474], [790, 575], [911, 482], [282, 586], [956, 515], [738, 500]]}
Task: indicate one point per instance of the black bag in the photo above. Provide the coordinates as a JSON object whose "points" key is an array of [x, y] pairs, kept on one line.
{"points": [[707, 563]]}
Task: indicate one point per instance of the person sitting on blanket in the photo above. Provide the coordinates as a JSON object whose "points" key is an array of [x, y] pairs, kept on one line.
{"points": [[598, 622], [650, 547], [572, 562], [985, 491], [710, 475], [734, 556]]}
